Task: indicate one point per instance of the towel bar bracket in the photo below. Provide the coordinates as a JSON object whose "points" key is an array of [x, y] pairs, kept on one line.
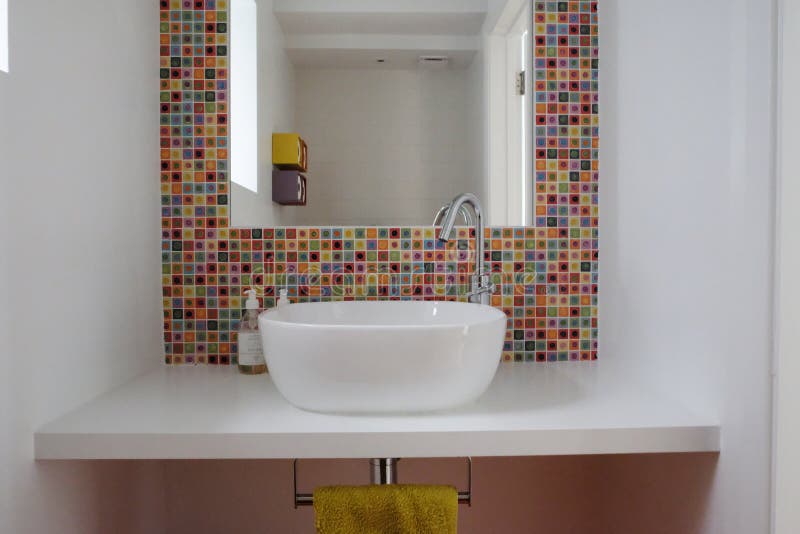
{"points": [[383, 471]]}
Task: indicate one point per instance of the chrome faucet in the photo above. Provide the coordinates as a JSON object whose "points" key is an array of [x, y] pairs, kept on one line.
{"points": [[481, 288], [464, 212]]}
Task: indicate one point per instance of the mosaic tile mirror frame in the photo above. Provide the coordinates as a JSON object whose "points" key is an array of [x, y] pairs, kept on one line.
{"points": [[546, 274]]}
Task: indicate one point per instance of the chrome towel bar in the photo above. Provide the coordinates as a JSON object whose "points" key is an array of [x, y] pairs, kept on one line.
{"points": [[383, 471]]}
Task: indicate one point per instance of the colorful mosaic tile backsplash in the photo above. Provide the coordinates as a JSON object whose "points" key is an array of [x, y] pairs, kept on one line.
{"points": [[546, 275]]}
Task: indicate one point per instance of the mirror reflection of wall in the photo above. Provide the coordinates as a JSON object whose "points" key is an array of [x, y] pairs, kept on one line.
{"points": [[392, 98], [387, 146], [262, 101]]}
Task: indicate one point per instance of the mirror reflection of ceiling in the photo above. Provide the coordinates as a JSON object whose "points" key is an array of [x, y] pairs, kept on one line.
{"points": [[389, 95], [328, 33]]}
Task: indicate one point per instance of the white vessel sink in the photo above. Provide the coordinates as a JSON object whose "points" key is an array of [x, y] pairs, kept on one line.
{"points": [[387, 356]]}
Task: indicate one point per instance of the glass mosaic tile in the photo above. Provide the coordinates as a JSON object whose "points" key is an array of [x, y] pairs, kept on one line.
{"points": [[546, 275]]}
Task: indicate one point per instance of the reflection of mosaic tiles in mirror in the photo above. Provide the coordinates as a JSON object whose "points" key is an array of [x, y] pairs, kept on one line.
{"points": [[547, 275]]}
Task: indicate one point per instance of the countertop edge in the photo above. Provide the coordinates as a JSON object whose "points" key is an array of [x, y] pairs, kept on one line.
{"points": [[534, 442]]}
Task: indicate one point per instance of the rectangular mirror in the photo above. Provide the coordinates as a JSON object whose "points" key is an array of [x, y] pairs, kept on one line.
{"points": [[394, 107]]}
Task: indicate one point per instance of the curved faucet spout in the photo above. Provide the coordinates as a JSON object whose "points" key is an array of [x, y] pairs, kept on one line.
{"points": [[458, 203], [481, 287], [464, 212]]}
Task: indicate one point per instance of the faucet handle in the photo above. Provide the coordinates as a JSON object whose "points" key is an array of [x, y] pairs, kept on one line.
{"points": [[490, 289], [482, 289]]}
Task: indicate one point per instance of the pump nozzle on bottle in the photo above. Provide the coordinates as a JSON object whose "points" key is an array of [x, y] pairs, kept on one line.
{"points": [[252, 299], [283, 297]]}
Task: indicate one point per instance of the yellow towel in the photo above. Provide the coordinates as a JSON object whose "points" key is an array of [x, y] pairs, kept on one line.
{"points": [[389, 509]]}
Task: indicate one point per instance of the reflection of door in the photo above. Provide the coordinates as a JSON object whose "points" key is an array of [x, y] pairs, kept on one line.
{"points": [[786, 408], [509, 49], [520, 121]]}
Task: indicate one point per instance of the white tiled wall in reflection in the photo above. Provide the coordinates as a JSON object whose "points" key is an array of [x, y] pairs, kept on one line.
{"points": [[386, 147]]}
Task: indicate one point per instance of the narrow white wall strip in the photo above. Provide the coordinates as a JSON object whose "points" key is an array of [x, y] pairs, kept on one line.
{"points": [[243, 93], [4, 35]]}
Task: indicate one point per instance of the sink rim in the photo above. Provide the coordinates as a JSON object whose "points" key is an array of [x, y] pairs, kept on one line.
{"points": [[491, 314]]}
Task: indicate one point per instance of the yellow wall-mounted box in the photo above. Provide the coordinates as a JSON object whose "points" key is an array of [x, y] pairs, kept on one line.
{"points": [[289, 152]]}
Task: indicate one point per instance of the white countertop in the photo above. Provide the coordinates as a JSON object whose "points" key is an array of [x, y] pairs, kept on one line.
{"points": [[530, 409]]}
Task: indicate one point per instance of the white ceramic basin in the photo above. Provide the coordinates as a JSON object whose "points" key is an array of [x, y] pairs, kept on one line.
{"points": [[387, 356]]}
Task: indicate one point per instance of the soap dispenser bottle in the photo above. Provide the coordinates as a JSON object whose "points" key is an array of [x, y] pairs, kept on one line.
{"points": [[251, 355]]}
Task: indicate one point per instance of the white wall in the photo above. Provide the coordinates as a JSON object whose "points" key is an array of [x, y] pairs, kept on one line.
{"points": [[686, 242], [80, 239], [787, 291], [494, 9], [7, 417], [4, 35], [477, 120], [276, 94], [386, 146]]}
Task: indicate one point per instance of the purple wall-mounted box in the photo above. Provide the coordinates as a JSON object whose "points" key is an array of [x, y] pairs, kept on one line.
{"points": [[288, 188]]}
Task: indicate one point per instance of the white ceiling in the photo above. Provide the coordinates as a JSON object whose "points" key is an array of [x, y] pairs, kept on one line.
{"points": [[382, 23], [355, 33], [382, 6], [367, 59]]}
